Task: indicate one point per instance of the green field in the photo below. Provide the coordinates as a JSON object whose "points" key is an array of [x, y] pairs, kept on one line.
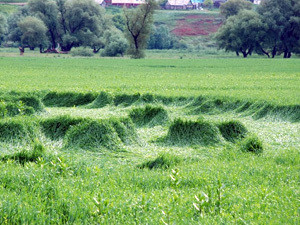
{"points": [[152, 141], [275, 81]]}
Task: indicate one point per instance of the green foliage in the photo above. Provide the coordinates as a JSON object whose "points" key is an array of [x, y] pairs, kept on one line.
{"points": [[252, 144], [68, 99], [243, 33], [149, 115], [138, 24], [93, 135], [33, 32], [232, 130], [18, 129], [283, 24], [2, 27], [115, 43], [161, 38], [103, 99], [119, 22], [208, 3], [85, 52], [14, 31], [71, 23], [163, 161], [187, 132], [233, 7], [56, 127]]}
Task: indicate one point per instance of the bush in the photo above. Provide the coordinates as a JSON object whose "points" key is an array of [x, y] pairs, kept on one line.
{"points": [[115, 44], [161, 38], [57, 127], [82, 52], [149, 115], [252, 144], [93, 134], [190, 132], [232, 130]]}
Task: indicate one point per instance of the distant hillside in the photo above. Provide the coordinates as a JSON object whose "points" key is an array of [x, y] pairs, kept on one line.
{"points": [[189, 23]]}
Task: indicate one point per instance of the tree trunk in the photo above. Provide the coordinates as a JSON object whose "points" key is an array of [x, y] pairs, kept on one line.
{"points": [[266, 53], [237, 53], [274, 51]]}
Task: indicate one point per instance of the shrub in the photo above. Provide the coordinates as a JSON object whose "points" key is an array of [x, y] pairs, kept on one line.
{"points": [[232, 130], [115, 43], [57, 127], [252, 144], [190, 132], [149, 115], [93, 134], [84, 52]]}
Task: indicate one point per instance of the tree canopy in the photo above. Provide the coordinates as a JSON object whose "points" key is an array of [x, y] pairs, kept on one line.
{"points": [[2, 26], [233, 7], [273, 29], [242, 33], [33, 32]]}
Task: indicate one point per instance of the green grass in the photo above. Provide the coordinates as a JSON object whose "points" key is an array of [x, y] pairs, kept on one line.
{"points": [[276, 81], [86, 157]]}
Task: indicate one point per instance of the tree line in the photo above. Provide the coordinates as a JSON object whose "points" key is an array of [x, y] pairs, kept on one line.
{"points": [[60, 25], [273, 28]]}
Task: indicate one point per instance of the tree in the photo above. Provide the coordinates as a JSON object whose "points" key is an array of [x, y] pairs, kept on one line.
{"points": [[47, 11], [2, 27], [33, 32], [14, 33], [83, 23], [138, 23], [208, 3], [233, 7], [71, 23], [282, 18], [243, 33]]}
